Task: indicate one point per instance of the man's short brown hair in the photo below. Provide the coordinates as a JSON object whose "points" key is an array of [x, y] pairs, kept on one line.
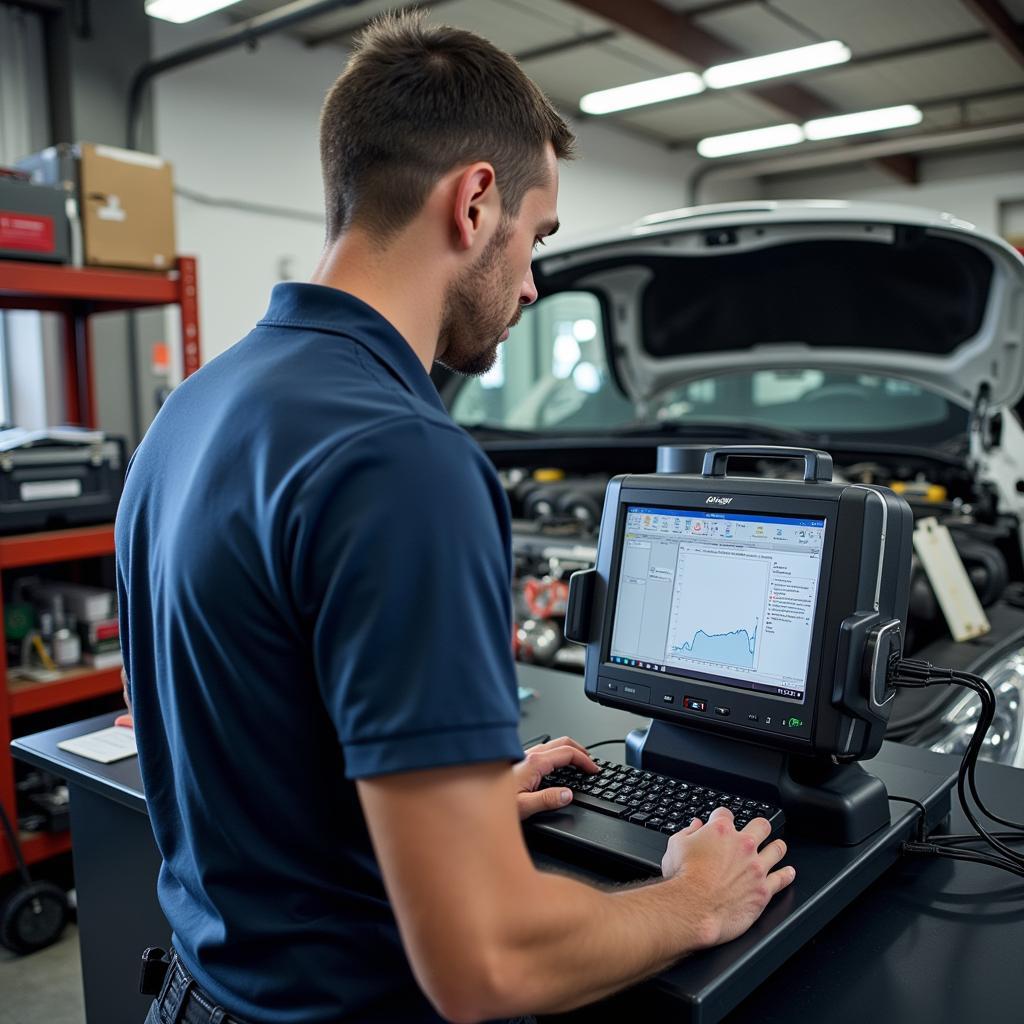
{"points": [[418, 100]]}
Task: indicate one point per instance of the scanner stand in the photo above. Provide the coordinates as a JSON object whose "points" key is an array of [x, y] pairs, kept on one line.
{"points": [[838, 804]]}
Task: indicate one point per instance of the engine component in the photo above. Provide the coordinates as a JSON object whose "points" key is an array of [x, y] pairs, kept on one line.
{"points": [[538, 641]]}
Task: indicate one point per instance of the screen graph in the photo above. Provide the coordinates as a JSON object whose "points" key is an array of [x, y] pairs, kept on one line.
{"points": [[737, 647], [705, 628]]}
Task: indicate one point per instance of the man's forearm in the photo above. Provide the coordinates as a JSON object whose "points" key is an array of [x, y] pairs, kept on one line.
{"points": [[568, 943]]}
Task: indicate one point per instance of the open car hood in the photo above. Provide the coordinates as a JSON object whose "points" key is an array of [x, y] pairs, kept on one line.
{"points": [[861, 287]]}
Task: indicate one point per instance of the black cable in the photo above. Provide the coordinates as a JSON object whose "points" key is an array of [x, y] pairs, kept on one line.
{"points": [[15, 846], [935, 850], [980, 683], [912, 673], [920, 806], [961, 839], [603, 743]]}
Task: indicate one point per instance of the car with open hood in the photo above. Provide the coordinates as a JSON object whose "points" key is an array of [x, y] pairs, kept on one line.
{"points": [[889, 336]]}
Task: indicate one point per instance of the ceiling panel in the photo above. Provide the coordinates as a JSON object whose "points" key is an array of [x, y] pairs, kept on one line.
{"points": [[868, 25], [573, 19], [351, 16], [513, 25], [1003, 108], [940, 118], [658, 59], [683, 5], [510, 24], [709, 114], [964, 69], [754, 29]]}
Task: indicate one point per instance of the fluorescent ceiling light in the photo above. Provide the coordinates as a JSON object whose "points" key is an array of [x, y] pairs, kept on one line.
{"points": [[747, 142], [640, 94], [180, 11], [866, 121], [772, 65]]}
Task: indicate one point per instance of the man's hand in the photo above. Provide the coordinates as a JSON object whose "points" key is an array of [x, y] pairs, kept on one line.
{"points": [[734, 881], [541, 760]]}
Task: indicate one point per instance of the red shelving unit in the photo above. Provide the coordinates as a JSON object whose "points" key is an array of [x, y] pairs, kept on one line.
{"points": [[76, 294]]}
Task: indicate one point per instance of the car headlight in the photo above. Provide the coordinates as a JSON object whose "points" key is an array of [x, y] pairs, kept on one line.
{"points": [[1004, 743]]}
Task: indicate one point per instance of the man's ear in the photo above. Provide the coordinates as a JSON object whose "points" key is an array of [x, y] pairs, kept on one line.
{"points": [[477, 205]]}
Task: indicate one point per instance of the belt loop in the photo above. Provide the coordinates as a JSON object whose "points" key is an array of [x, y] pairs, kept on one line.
{"points": [[218, 1015], [176, 994]]}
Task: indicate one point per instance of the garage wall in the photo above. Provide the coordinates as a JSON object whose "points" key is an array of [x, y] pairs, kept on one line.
{"points": [[975, 186], [241, 128]]}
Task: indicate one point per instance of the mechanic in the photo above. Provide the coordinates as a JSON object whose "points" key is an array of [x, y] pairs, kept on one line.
{"points": [[314, 579]]}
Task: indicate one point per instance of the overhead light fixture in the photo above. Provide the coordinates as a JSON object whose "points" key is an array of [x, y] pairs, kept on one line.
{"points": [[773, 65], [747, 142], [866, 121], [640, 94], [180, 11]]}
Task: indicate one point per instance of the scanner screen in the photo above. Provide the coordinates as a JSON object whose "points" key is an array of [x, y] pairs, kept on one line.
{"points": [[721, 596]]}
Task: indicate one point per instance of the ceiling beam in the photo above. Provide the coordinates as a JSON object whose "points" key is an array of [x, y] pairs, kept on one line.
{"points": [[678, 33], [1000, 25]]}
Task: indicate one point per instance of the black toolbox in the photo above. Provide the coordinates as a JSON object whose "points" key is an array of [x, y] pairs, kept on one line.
{"points": [[53, 480]]}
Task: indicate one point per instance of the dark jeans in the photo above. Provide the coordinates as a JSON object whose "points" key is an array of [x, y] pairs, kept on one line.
{"points": [[182, 1001]]}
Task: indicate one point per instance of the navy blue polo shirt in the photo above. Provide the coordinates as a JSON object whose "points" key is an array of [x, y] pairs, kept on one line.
{"points": [[314, 578]]}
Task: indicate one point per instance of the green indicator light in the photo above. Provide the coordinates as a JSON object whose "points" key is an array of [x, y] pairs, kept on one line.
{"points": [[795, 723]]}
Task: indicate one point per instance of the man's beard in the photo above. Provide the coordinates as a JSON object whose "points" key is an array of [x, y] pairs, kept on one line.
{"points": [[475, 312]]}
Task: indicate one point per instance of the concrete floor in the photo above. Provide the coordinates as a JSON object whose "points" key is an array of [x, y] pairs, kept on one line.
{"points": [[45, 987]]}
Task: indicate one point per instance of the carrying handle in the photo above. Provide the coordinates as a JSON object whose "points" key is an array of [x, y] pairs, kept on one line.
{"points": [[817, 464]]}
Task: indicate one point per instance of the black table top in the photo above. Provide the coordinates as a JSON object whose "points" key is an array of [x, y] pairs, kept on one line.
{"points": [[936, 941]]}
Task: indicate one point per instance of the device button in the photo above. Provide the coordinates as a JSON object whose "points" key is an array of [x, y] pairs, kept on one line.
{"points": [[666, 698], [613, 687], [724, 712], [752, 717], [693, 704], [636, 692]]}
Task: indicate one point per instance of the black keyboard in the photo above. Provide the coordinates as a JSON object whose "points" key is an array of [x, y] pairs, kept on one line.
{"points": [[628, 814]]}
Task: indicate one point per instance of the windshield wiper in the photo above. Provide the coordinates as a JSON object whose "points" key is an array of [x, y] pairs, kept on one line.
{"points": [[493, 431]]}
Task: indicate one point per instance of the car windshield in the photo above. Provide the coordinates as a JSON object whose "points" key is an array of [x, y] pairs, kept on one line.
{"points": [[552, 376]]}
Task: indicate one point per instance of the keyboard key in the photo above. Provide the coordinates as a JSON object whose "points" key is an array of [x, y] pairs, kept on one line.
{"points": [[655, 822], [640, 818], [596, 803]]}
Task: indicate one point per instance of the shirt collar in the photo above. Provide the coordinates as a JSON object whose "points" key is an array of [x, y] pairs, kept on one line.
{"points": [[316, 307]]}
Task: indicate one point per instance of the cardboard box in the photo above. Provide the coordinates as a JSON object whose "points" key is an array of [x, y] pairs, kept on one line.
{"points": [[124, 200], [127, 208]]}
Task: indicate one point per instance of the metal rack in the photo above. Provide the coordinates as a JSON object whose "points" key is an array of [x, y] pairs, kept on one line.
{"points": [[76, 294]]}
